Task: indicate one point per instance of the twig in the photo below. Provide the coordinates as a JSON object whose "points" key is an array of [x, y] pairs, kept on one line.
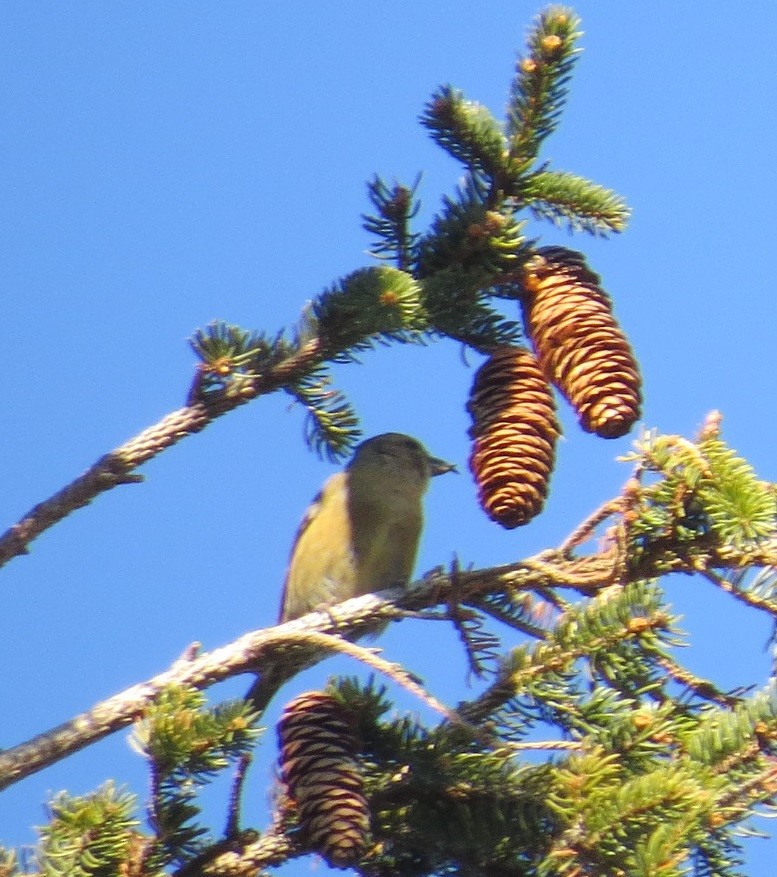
{"points": [[511, 682], [396, 672], [758, 789], [232, 827], [504, 616], [702, 687], [479, 645], [242, 858], [116, 467], [550, 745], [744, 596], [583, 532]]}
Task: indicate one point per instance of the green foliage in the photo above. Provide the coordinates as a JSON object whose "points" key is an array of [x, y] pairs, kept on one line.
{"points": [[332, 425], [88, 836], [539, 89], [762, 585], [220, 341], [371, 304], [468, 248], [742, 509], [458, 309], [650, 816], [440, 801], [541, 683], [470, 235], [520, 610], [230, 355], [466, 130], [717, 856], [721, 734], [395, 207], [567, 199], [9, 863], [616, 822], [187, 745], [702, 495]]}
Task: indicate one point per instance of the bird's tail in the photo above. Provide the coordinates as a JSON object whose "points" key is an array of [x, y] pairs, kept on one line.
{"points": [[274, 675], [266, 686]]}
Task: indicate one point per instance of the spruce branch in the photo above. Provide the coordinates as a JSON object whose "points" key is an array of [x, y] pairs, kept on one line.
{"points": [[700, 497], [459, 310], [539, 88], [702, 688], [395, 208], [742, 509], [571, 200], [371, 304], [763, 584], [229, 355], [761, 788], [89, 834], [332, 427], [587, 630], [232, 826], [187, 745], [467, 131], [473, 232], [523, 611], [728, 739], [435, 798], [585, 530], [480, 646], [744, 596], [244, 856]]}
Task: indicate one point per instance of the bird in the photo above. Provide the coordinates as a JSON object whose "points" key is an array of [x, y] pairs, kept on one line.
{"points": [[359, 535]]}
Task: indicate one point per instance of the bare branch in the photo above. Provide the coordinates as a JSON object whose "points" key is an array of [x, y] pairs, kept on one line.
{"points": [[588, 575], [117, 466], [243, 858]]}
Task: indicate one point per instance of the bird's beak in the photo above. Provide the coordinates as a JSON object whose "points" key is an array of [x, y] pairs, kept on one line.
{"points": [[440, 467]]}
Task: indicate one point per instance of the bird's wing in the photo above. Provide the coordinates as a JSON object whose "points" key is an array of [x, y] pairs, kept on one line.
{"points": [[318, 563]]}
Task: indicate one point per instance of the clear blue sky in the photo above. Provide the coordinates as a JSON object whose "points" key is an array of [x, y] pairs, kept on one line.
{"points": [[166, 164]]}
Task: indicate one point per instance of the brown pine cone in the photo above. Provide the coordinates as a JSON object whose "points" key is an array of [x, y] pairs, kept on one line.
{"points": [[514, 431], [322, 777], [580, 346]]}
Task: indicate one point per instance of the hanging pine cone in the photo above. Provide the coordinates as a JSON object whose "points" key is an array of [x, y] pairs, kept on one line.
{"points": [[322, 777], [514, 431], [580, 346]]}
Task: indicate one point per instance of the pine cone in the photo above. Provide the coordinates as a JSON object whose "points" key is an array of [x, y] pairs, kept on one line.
{"points": [[514, 431], [580, 346], [322, 776]]}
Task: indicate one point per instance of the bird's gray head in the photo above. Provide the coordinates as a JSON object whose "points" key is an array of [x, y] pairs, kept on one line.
{"points": [[399, 451]]}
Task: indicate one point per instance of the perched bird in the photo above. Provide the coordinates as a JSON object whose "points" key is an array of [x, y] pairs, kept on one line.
{"points": [[359, 535]]}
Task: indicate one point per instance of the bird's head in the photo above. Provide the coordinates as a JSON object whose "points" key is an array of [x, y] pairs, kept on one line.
{"points": [[400, 454]]}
